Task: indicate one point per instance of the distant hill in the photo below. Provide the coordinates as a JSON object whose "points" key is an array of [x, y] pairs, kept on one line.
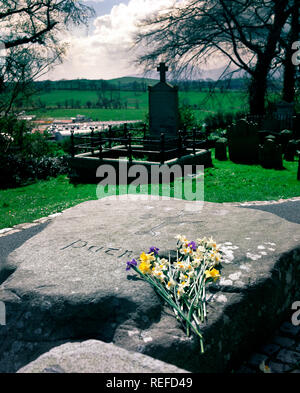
{"points": [[195, 73], [131, 79]]}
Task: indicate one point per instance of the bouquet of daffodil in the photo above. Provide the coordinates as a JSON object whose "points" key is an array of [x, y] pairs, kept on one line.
{"points": [[182, 284]]}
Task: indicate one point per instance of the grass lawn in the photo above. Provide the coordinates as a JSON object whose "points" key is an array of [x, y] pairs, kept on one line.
{"points": [[225, 182], [229, 182]]}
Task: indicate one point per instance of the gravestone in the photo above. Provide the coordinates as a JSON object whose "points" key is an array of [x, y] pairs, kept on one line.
{"points": [[163, 107], [69, 282], [285, 137], [243, 142], [221, 149], [271, 154], [290, 150]]}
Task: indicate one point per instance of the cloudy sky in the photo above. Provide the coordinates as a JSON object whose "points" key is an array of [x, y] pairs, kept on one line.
{"points": [[102, 51]]}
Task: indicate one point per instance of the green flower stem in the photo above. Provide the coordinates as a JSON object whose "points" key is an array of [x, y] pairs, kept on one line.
{"points": [[204, 301], [171, 303], [192, 305]]}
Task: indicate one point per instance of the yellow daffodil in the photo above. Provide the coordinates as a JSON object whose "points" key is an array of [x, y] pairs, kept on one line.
{"points": [[145, 267], [213, 273], [147, 257]]}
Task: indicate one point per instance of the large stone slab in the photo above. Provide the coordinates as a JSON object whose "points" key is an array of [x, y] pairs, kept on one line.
{"points": [[94, 356], [70, 283]]}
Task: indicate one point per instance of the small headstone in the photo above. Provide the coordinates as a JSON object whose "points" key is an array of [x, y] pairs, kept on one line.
{"points": [[271, 154], [290, 150], [221, 149], [285, 136], [163, 107], [243, 142]]}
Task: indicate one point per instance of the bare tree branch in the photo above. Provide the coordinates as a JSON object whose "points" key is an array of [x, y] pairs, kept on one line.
{"points": [[246, 32], [29, 32]]}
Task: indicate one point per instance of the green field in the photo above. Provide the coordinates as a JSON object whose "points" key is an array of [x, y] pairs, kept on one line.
{"points": [[94, 114], [134, 104]]}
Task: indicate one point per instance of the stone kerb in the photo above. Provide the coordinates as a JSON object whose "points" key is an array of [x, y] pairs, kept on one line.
{"points": [[70, 283], [86, 167]]}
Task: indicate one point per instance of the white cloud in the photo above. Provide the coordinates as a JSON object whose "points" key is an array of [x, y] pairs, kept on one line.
{"points": [[106, 52]]}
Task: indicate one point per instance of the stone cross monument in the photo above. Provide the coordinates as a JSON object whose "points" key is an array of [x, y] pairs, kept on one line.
{"points": [[162, 69], [163, 107]]}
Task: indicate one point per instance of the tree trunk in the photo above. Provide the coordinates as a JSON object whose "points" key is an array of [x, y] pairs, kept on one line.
{"points": [[258, 86], [289, 80], [288, 93], [258, 89]]}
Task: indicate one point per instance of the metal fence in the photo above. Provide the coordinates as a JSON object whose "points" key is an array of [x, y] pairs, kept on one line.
{"points": [[99, 144]]}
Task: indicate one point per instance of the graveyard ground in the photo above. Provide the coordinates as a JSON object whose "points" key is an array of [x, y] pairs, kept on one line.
{"points": [[225, 182]]}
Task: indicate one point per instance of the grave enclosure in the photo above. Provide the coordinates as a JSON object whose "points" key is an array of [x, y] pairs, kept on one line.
{"points": [[162, 144]]}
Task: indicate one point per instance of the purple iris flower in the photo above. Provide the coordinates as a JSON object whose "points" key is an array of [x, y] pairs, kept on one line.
{"points": [[130, 264], [193, 246], [154, 250]]}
